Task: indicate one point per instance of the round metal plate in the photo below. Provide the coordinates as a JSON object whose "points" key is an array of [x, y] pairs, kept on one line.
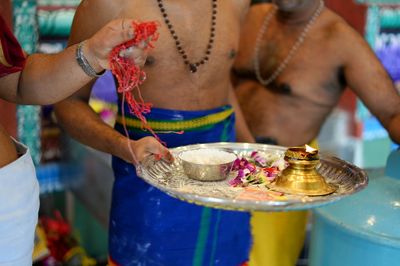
{"points": [[171, 179]]}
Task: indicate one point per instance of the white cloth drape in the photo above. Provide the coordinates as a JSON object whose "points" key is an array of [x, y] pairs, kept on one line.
{"points": [[19, 206]]}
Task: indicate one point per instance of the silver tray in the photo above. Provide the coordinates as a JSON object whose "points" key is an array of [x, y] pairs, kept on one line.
{"points": [[171, 179]]}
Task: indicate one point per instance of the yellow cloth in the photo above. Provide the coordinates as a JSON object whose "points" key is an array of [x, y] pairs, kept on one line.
{"points": [[278, 237], [207, 120]]}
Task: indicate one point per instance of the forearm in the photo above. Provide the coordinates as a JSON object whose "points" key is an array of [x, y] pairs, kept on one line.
{"points": [[84, 125], [47, 79], [394, 129], [243, 133]]}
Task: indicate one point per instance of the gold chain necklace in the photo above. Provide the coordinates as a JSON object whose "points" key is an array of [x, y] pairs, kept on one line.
{"points": [[292, 51]]}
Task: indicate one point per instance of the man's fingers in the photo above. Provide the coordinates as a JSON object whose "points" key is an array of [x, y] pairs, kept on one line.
{"points": [[126, 53], [138, 56], [122, 29], [160, 152], [140, 61], [168, 156], [142, 44], [131, 33], [125, 35]]}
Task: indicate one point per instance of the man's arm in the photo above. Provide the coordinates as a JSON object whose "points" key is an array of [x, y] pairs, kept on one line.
{"points": [[75, 115], [83, 124], [47, 79], [369, 80]]}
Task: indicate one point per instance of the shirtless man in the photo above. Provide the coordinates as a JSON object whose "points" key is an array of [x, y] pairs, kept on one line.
{"points": [[41, 79], [306, 56], [302, 95], [188, 82]]}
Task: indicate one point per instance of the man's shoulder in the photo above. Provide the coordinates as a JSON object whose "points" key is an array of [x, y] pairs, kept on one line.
{"points": [[95, 9], [338, 26], [260, 9], [100, 3], [342, 35], [91, 16]]}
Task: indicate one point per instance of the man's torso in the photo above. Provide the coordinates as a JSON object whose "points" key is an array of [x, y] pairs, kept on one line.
{"points": [[170, 84], [308, 88]]}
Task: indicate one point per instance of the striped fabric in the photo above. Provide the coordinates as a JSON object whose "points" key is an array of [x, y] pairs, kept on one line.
{"points": [[190, 124]]}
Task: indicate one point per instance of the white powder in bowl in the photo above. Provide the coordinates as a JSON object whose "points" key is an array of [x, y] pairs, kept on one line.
{"points": [[208, 156]]}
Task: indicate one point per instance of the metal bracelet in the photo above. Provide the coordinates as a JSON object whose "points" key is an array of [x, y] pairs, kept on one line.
{"points": [[84, 63]]}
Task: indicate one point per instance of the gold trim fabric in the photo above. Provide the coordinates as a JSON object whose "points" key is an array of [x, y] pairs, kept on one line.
{"points": [[178, 125]]}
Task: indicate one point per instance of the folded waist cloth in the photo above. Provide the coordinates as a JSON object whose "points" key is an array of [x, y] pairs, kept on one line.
{"points": [[19, 207], [148, 227]]}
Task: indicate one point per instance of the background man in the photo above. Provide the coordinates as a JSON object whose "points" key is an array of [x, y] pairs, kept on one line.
{"points": [[295, 59], [327, 56], [41, 79], [188, 82]]}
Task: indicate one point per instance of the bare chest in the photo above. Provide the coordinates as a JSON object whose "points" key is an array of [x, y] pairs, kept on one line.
{"points": [[311, 70], [187, 36]]}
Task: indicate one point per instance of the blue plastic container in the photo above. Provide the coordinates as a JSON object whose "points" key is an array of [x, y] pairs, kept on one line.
{"points": [[363, 229]]}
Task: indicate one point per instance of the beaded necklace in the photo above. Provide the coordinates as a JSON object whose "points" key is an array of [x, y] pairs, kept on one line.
{"points": [[193, 66], [292, 51]]}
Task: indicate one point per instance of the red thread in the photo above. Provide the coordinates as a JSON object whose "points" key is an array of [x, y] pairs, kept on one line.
{"points": [[130, 76]]}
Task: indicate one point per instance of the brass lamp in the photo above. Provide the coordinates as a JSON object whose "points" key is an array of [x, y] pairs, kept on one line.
{"points": [[301, 176]]}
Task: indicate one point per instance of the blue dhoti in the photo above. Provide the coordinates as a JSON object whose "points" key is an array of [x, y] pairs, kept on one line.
{"points": [[148, 227]]}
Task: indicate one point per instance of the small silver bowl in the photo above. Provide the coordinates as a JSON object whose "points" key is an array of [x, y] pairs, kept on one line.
{"points": [[208, 168]]}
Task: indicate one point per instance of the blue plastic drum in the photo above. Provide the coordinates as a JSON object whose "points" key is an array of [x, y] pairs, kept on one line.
{"points": [[363, 229]]}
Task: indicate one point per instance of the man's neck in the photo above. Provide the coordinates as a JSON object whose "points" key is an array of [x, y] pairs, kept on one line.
{"points": [[300, 16]]}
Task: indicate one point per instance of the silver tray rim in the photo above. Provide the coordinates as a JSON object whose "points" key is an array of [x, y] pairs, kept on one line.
{"points": [[250, 205]]}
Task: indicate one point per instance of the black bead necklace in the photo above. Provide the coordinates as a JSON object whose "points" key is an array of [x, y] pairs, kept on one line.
{"points": [[192, 66]]}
